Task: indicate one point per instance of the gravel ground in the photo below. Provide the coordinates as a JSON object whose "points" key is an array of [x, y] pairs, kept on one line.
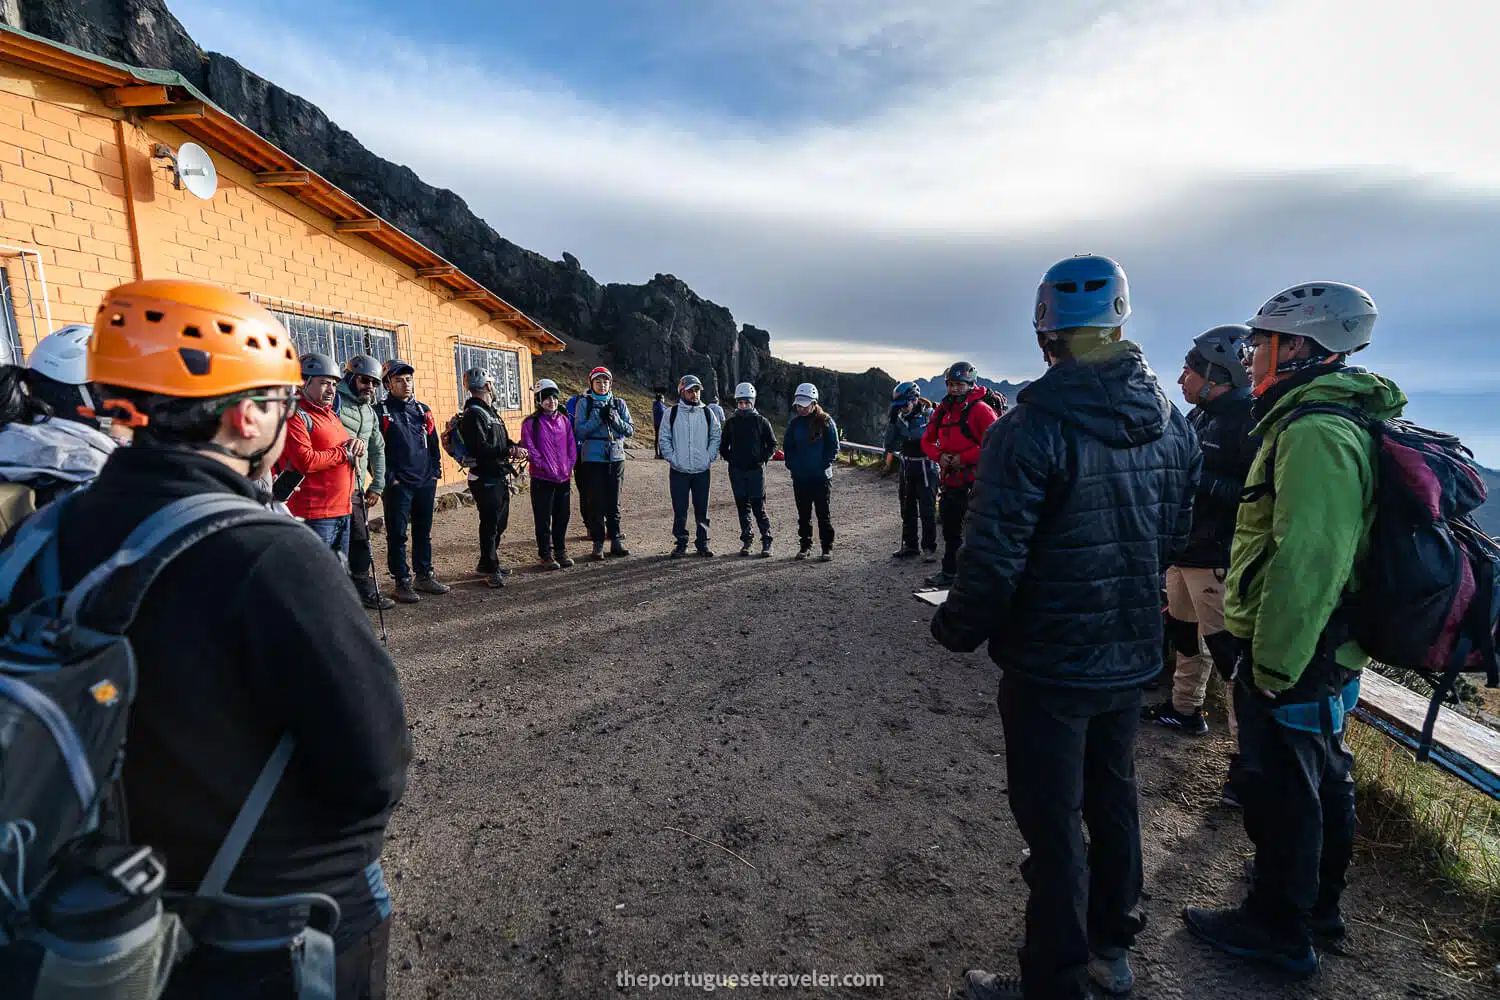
{"points": [[739, 765]]}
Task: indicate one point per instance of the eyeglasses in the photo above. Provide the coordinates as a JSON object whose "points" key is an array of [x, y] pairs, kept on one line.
{"points": [[366, 382], [290, 400]]}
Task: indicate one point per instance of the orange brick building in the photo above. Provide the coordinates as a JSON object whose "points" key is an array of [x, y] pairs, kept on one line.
{"points": [[90, 198]]}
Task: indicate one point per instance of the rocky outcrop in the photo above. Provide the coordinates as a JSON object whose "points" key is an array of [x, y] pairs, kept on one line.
{"points": [[656, 332]]}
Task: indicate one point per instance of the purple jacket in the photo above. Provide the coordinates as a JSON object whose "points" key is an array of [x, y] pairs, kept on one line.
{"points": [[549, 439]]}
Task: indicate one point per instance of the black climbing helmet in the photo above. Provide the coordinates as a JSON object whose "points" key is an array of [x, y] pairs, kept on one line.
{"points": [[315, 364], [1215, 355], [962, 371]]}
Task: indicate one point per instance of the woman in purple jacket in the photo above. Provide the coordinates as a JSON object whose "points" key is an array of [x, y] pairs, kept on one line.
{"points": [[547, 435]]}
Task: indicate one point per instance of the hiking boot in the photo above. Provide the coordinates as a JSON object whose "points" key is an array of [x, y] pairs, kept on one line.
{"points": [[930, 556], [482, 570], [705, 552], [745, 550], [617, 549], [371, 597], [547, 562], [1110, 970], [1167, 716], [827, 556], [906, 552], [429, 584], [1329, 930], [678, 551], [803, 553], [765, 548], [1229, 796], [405, 594], [981, 985], [940, 579], [598, 554], [1237, 932], [495, 579], [563, 562]]}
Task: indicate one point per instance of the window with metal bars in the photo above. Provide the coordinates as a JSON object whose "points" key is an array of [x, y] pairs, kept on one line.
{"points": [[504, 366], [10, 329], [339, 339]]}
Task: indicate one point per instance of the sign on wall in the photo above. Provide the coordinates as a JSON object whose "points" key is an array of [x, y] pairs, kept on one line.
{"points": [[504, 366]]}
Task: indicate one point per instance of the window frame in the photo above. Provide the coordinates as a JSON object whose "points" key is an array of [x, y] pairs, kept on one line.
{"points": [[504, 365]]}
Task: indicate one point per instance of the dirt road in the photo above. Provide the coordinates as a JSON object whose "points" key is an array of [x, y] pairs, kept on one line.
{"points": [[579, 735]]}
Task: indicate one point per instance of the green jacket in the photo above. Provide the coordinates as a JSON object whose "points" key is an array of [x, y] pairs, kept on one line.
{"points": [[1294, 553], [361, 422]]}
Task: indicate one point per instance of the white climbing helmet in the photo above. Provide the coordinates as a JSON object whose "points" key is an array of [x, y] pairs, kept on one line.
{"points": [[1337, 317], [806, 393], [63, 356], [745, 391], [545, 385]]}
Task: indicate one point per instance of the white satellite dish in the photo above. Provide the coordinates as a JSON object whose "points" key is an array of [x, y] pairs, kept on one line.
{"points": [[195, 170]]}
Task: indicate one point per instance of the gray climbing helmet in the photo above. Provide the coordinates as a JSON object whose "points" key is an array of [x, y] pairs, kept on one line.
{"points": [[1337, 317], [1215, 355]]}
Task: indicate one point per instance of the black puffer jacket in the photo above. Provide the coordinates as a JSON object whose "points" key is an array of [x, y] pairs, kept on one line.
{"points": [[1083, 497], [1223, 428], [488, 440]]}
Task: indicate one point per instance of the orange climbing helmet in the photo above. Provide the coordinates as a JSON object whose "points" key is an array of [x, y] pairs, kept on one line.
{"points": [[188, 339]]}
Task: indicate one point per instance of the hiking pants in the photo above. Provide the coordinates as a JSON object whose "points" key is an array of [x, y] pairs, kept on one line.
{"points": [[919, 486], [1070, 760], [411, 507], [359, 972], [361, 559], [810, 496], [1297, 788], [749, 487], [492, 497], [335, 534], [551, 507], [686, 486], [1197, 596], [599, 486], [953, 504], [583, 498]]}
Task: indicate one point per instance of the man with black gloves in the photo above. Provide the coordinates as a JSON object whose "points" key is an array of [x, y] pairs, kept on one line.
{"points": [[910, 414], [485, 436], [1215, 382], [357, 390], [1083, 497], [250, 635], [413, 466]]}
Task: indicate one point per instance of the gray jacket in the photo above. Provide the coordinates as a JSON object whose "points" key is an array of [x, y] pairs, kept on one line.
{"points": [[689, 437]]}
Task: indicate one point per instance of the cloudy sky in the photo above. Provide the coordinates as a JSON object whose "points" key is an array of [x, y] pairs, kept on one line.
{"points": [[882, 182]]}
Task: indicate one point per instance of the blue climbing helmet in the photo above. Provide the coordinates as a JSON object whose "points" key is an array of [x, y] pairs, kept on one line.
{"points": [[1086, 290], [905, 392]]}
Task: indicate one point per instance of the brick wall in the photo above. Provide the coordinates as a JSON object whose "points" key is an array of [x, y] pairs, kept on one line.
{"points": [[63, 192]]}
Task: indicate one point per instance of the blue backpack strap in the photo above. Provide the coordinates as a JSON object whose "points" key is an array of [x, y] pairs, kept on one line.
{"points": [[39, 529], [110, 594]]}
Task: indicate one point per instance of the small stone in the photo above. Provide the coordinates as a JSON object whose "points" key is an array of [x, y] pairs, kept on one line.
{"points": [[406, 965]]}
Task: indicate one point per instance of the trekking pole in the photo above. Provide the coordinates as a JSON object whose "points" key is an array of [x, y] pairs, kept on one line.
{"points": [[374, 580]]}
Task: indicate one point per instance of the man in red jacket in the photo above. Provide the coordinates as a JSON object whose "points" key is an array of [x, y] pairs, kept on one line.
{"points": [[319, 446], [952, 440]]}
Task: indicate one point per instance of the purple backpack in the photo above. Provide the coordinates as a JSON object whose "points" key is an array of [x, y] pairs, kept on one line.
{"points": [[1427, 597]]}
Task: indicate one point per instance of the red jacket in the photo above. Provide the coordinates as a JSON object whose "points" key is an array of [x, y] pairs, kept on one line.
{"points": [[319, 456], [945, 434]]}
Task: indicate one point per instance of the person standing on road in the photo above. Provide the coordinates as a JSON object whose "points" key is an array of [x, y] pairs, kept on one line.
{"points": [[952, 441], [318, 447], [747, 445], [1302, 530], [357, 391], [689, 441], [601, 422], [1083, 497], [250, 635], [413, 466], [658, 410], [488, 442], [910, 415], [811, 446], [1216, 384], [547, 436]]}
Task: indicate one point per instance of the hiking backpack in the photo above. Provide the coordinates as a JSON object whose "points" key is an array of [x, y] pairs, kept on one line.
{"points": [[72, 885], [994, 400], [453, 442], [1427, 596]]}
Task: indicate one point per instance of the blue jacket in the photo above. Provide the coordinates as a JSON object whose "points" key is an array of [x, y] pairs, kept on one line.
{"points": [[1083, 498], [903, 435], [411, 442], [658, 411], [807, 460], [602, 429]]}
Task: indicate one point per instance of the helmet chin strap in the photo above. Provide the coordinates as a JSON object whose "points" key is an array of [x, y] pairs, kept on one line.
{"points": [[1274, 376], [254, 457]]}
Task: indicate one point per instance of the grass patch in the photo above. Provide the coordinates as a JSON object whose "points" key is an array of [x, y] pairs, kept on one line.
{"points": [[1450, 831]]}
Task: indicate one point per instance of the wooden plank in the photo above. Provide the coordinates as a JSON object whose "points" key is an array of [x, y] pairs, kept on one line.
{"points": [[136, 97], [473, 295], [357, 226], [505, 316], [283, 178], [933, 597], [1406, 710], [182, 111], [440, 271]]}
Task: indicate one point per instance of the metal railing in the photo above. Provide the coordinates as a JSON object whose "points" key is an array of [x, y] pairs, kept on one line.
{"points": [[863, 449]]}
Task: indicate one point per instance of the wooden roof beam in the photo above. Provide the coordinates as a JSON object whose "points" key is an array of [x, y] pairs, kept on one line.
{"points": [[437, 271], [473, 295], [181, 111], [505, 316], [151, 96], [283, 178], [370, 225]]}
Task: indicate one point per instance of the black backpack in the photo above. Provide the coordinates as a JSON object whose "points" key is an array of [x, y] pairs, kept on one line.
{"points": [[994, 400], [1427, 596], [70, 879]]}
